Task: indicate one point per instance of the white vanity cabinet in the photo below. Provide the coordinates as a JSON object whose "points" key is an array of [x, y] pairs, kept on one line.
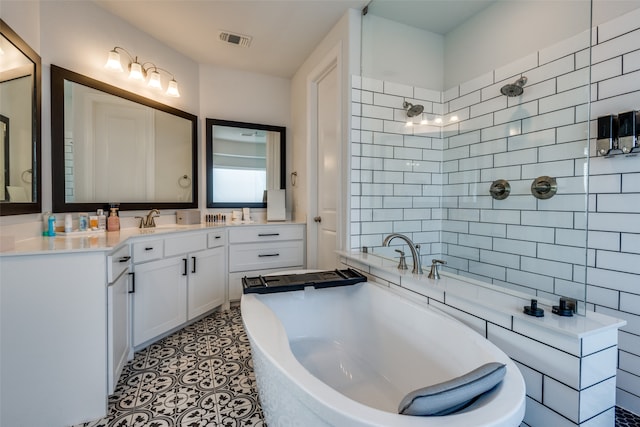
{"points": [[207, 281], [53, 323], [118, 310], [263, 249], [177, 279]]}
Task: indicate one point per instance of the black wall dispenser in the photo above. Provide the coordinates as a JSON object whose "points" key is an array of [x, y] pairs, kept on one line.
{"points": [[607, 137], [628, 127], [618, 134]]}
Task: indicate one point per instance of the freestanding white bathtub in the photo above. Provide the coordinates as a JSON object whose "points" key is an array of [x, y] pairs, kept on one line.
{"points": [[346, 356]]}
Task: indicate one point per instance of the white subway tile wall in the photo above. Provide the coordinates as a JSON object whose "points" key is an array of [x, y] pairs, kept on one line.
{"points": [[431, 182]]}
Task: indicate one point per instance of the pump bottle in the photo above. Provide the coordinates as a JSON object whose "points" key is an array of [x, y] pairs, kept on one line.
{"points": [[113, 222]]}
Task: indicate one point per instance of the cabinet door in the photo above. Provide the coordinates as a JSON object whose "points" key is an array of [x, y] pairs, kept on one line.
{"points": [[160, 298], [207, 281], [118, 328]]}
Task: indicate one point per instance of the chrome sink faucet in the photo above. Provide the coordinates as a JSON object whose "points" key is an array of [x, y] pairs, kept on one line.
{"points": [[149, 220], [415, 250]]}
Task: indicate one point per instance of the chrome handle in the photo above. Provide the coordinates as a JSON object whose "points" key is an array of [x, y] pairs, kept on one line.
{"points": [[500, 189], [544, 187], [402, 264]]}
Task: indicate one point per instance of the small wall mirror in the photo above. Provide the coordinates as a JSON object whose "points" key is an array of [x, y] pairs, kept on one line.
{"points": [[244, 160], [113, 146], [20, 99]]}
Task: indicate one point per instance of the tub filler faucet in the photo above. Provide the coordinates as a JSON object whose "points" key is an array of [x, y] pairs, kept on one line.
{"points": [[415, 250]]}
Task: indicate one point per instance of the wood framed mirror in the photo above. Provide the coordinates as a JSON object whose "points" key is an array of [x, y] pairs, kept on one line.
{"points": [[113, 146], [244, 161], [20, 108]]}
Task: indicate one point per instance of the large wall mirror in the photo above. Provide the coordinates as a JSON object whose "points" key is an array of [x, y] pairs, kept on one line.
{"points": [[244, 161], [113, 146], [20, 98]]}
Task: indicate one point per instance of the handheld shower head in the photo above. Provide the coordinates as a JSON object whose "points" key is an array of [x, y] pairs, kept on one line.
{"points": [[514, 89], [412, 110]]}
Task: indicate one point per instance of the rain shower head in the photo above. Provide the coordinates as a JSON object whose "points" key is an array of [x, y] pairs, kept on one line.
{"points": [[514, 89], [412, 110]]}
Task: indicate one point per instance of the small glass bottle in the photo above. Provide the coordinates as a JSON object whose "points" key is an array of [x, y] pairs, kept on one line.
{"points": [[68, 223], [102, 220], [83, 221]]}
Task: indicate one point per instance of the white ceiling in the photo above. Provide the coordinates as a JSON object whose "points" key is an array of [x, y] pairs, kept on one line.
{"points": [[284, 32]]}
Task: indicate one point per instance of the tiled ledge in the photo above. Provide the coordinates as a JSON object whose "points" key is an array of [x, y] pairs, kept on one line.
{"points": [[497, 304], [569, 364]]}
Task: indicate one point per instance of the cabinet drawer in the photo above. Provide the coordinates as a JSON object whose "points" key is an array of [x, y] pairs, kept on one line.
{"points": [[265, 233], [147, 251], [183, 244], [216, 238], [259, 256], [117, 262]]}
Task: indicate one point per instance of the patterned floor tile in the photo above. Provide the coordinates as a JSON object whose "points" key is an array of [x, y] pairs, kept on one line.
{"points": [[201, 376], [625, 418]]}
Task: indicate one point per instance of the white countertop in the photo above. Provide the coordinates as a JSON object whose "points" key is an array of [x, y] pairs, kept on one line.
{"points": [[105, 241]]}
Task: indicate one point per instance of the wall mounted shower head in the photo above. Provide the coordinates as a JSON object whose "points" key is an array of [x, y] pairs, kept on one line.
{"points": [[412, 110], [515, 88]]}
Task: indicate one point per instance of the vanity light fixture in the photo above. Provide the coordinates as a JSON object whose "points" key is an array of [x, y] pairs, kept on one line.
{"points": [[138, 71]]}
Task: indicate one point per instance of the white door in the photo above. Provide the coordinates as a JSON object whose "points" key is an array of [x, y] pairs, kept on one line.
{"points": [[328, 166]]}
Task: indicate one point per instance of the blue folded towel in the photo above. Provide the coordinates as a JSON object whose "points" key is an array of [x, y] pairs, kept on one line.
{"points": [[453, 395]]}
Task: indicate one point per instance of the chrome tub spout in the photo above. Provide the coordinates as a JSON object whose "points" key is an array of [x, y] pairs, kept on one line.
{"points": [[415, 250]]}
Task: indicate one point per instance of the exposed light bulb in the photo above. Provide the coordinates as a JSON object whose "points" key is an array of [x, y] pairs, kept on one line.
{"points": [[172, 90], [113, 62], [154, 80]]}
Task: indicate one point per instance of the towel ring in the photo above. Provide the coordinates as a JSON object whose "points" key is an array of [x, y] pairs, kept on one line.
{"points": [[184, 181], [27, 172]]}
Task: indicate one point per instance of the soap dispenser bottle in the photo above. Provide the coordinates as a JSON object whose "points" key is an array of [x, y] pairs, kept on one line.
{"points": [[113, 222]]}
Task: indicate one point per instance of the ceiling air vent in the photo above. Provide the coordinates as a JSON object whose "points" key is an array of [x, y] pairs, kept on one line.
{"points": [[237, 39]]}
